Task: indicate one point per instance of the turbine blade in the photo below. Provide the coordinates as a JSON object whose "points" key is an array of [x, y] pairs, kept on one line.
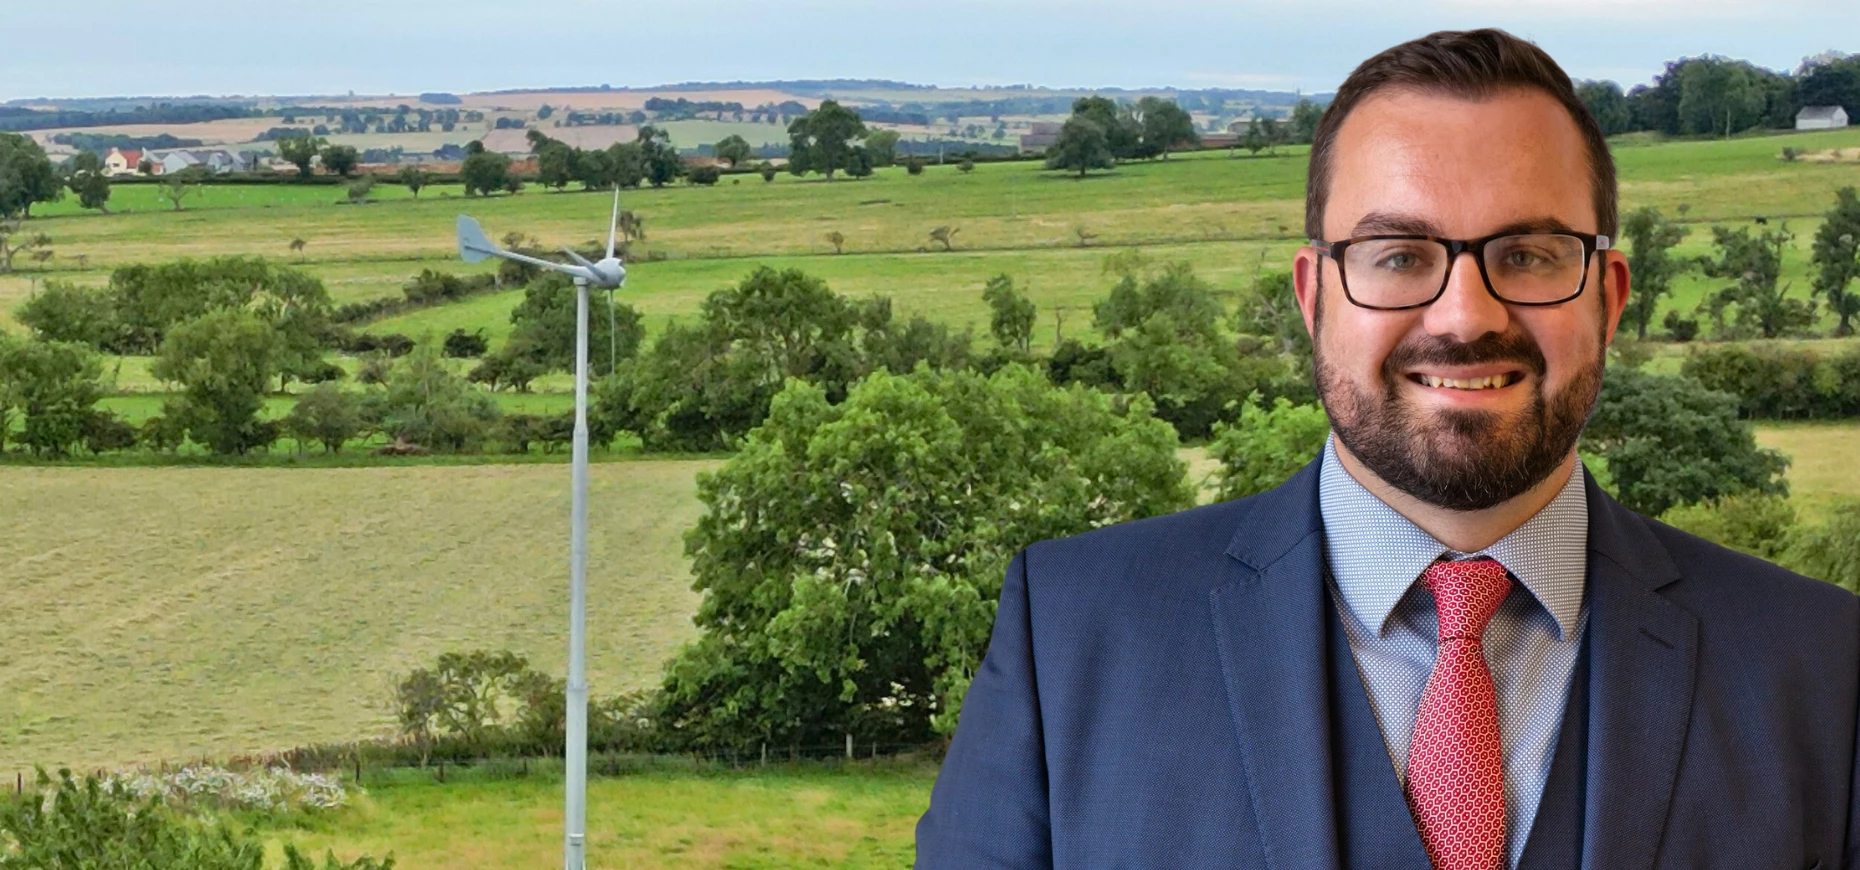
{"points": [[613, 228], [579, 260]]}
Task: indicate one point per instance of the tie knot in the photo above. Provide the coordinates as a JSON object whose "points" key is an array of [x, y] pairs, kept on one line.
{"points": [[1466, 594]]}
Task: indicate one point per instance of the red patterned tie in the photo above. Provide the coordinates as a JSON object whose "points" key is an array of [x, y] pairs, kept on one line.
{"points": [[1456, 783]]}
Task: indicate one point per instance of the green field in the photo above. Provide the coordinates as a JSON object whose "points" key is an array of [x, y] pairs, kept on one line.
{"points": [[855, 816], [166, 613]]}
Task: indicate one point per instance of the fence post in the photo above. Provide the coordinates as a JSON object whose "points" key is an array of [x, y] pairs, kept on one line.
{"points": [[849, 753], [358, 768], [765, 753], [442, 770]]}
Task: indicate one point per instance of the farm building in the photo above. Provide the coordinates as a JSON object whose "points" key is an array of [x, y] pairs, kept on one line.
{"points": [[1820, 118], [1041, 137], [121, 161]]}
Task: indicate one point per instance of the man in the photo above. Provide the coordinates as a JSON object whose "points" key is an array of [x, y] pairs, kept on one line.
{"points": [[1440, 643]]}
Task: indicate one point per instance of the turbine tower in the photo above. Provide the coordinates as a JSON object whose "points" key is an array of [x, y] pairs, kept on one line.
{"points": [[608, 273]]}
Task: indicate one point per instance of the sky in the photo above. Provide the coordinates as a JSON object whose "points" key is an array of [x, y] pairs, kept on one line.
{"points": [[226, 47]]}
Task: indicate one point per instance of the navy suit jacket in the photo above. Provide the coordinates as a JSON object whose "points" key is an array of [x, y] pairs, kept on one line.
{"points": [[1154, 695]]}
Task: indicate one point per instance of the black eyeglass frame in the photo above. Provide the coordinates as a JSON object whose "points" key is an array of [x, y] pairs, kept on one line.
{"points": [[1591, 243]]}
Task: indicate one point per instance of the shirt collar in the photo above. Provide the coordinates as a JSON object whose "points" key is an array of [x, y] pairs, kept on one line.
{"points": [[1375, 554]]}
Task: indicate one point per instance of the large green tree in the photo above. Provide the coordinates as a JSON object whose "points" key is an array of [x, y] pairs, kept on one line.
{"points": [[851, 554], [87, 179], [1669, 441], [1719, 96], [423, 403], [325, 415], [301, 151], [544, 322], [1164, 126], [1650, 241], [1757, 300], [1836, 259], [222, 361], [1122, 133], [27, 176], [823, 140], [1081, 147], [734, 150], [1608, 104], [54, 387], [484, 172]]}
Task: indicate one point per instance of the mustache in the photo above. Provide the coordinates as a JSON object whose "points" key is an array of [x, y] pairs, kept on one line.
{"points": [[1509, 347]]}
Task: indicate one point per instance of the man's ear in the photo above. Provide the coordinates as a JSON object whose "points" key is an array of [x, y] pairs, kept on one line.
{"points": [[1615, 286], [1305, 268]]}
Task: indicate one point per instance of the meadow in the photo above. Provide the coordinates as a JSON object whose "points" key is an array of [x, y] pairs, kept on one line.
{"points": [[169, 612]]}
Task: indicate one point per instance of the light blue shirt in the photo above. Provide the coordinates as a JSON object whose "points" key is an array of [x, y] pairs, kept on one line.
{"points": [[1375, 557]]}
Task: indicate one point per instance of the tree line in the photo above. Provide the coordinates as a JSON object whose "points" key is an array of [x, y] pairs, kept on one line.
{"points": [[1713, 95]]}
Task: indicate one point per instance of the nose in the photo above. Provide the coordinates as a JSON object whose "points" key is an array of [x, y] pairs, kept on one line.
{"points": [[1466, 310]]}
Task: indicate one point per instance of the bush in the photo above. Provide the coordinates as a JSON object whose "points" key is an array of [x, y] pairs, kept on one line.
{"points": [[97, 824], [1755, 523], [1830, 551], [1263, 448], [914, 165], [1671, 441], [425, 404], [1679, 328], [1776, 381], [850, 554], [326, 415], [461, 344], [705, 175], [106, 430]]}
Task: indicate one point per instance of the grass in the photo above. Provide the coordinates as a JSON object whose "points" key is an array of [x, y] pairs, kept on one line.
{"points": [[166, 613], [854, 816], [1822, 468]]}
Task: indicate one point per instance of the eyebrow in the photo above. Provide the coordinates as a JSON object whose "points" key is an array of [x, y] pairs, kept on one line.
{"points": [[1391, 223]]}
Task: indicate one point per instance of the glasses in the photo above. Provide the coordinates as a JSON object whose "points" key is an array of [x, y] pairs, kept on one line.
{"points": [[1392, 273]]}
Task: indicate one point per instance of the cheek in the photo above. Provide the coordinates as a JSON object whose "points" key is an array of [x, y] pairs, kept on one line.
{"points": [[1356, 341]]}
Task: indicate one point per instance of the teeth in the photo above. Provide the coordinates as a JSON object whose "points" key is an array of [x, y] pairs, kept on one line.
{"points": [[1487, 383]]}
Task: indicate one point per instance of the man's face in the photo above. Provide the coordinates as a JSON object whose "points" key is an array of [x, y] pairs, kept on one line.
{"points": [[1398, 385]]}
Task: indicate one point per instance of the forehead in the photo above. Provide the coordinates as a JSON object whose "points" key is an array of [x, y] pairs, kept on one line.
{"points": [[1466, 166]]}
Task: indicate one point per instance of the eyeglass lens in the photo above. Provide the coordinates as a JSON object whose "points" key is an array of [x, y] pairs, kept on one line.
{"points": [[1535, 267]]}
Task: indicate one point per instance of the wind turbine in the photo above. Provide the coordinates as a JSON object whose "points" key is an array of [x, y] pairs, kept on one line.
{"points": [[608, 273]]}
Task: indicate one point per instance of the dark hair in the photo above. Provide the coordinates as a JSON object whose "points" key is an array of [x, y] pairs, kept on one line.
{"points": [[1472, 64]]}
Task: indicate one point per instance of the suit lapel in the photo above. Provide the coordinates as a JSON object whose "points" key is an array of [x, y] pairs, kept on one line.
{"points": [[1643, 670], [1269, 629]]}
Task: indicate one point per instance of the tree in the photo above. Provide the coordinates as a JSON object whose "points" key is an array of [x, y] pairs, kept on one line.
{"points": [[1669, 441], [1650, 241], [1304, 121], [1010, 314], [1608, 105], [484, 172], [1255, 139], [223, 361], [460, 344], [850, 554], [14, 240], [300, 150], [1834, 81], [556, 163], [1836, 259], [325, 415], [64, 312], [414, 178], [1719, 96], [838, 240], [822, 140], [1081, 147], [545, 323], [176, 186], [945, 236], [54, 386], [660, 159], [341, 159], [425, 404], [1265, 447], [1759, 300], [1164, 125], [26, 176], [88, 180], [882, 147], [460, 696], [734, 150], [1122, 133], [704, 176], [767, 170]]}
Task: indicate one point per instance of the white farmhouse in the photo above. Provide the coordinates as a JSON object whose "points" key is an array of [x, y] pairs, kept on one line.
{"points": [[1820, 118]]}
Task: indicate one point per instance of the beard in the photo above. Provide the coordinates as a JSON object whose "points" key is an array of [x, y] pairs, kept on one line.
{"points": [[1457, 459]]}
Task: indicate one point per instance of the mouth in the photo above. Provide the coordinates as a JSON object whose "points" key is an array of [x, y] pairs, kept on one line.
{"points": [[1484, 382]]}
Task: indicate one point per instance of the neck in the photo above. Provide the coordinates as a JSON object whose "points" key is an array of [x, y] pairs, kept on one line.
{"points": [[1465, 531]]}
